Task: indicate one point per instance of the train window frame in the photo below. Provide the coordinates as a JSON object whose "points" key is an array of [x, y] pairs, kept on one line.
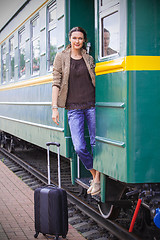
{"points": [[51, 29], [108, 4], [11, 56], [21, 44], [3, 59], [35, 37], [106, 11]]}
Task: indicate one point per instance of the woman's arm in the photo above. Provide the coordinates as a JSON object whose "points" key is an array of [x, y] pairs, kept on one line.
{"points": [[55, 113], [57, 79], [57, 70]]}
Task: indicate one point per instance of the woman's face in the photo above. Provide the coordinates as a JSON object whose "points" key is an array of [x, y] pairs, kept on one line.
{"points": [[77, 40], [106, 39]]}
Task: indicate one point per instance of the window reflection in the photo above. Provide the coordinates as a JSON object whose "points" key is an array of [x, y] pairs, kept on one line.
{"points": [[52, 35], [22, 62], [52, 47], [35, 46], [11, 64], [22, 53], [110, 35], [3, 49], [35, 56]]}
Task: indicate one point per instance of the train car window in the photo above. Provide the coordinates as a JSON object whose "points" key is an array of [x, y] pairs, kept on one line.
{"points": [[52, 39], [109, 29], [3, 62], [35, 46], [22, 70], [110, 35], [11, 58]]}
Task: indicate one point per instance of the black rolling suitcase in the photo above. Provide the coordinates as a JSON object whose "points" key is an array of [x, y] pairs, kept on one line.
{"points": [[50, 206]]}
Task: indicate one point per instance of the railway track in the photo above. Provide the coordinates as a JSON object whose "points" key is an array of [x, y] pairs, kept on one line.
{"points": [[83, 215]]}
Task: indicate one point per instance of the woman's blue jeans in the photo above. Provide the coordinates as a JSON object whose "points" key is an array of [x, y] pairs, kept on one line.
{"points": [[76, 123]]}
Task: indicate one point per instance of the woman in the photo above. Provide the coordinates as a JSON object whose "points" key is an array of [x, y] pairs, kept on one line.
{"points": [[74, 88], [106, 40]]}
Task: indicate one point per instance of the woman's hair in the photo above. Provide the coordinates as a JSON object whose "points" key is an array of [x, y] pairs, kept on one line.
{"points": [[78, 29], [105, 30]]}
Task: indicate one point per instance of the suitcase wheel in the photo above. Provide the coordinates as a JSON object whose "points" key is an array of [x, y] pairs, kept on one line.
{"points": [[57, 237], [64, 236], [36, 234]]}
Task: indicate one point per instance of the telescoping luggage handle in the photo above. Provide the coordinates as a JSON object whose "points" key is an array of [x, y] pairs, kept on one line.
{"points": [[48, 161]]}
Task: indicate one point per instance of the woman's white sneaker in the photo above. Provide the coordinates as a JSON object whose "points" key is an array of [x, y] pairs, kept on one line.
{"points": [[96, 188], [91, 186]]}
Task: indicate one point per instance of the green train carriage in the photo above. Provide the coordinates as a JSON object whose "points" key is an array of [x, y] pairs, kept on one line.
{"points": [[127, 85], [127, 97]]}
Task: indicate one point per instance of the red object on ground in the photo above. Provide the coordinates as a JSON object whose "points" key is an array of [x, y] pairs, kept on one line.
{"points": [[135, 215]]}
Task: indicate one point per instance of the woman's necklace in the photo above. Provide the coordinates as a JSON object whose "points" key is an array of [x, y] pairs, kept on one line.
{"points": [[76, 56]]}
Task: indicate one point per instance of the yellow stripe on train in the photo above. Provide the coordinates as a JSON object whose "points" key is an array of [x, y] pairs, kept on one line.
{"points": [[129, 63], [27, 83]]}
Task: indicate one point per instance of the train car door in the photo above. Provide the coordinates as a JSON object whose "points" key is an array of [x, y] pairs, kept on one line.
{"points": [[79, 14]]}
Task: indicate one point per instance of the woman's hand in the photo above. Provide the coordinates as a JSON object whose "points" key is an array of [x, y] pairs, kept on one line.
{"points": [[55, 116]]}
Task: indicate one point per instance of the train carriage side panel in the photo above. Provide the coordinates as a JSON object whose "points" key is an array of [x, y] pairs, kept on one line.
{"points": [[110, 122], [143, 126], [28, 115]]}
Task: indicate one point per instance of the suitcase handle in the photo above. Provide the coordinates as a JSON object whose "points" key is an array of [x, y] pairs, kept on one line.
{"points": [[48, 160], [53, 143]]}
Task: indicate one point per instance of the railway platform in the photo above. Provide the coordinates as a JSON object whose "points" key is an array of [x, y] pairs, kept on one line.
{"points": [[17, 209]]}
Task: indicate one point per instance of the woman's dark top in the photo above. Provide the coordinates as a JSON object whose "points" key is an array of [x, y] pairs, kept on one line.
{"points": [[81, 92]]}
